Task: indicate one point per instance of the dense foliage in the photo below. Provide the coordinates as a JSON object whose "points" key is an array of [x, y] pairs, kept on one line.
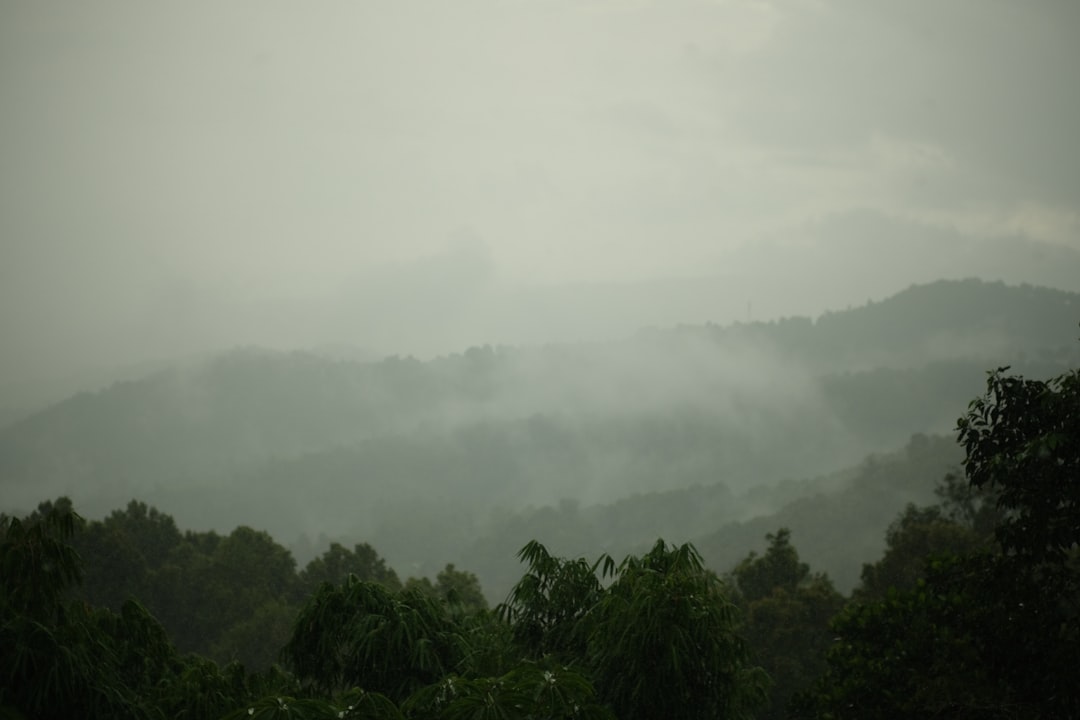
{"points": [[981, 630], [786, 614]]}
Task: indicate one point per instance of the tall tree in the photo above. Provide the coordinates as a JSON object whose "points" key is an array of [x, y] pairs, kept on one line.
{"points": [[786, 613], [361, 634], [662, 642], [1023, 440], [989, 633], [338, 562]]}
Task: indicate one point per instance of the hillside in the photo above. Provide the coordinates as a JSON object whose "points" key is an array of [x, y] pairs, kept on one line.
{"points": [[838, 520], [423, 457]]}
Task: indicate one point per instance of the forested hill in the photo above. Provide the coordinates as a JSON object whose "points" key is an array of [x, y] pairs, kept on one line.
{"points": [[297, 443], [944, 320], [838, 520]]}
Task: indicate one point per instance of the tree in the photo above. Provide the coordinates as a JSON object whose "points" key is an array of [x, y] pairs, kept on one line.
{"points": [[62, 660], [545, 608], [458, 589], [911, 542], [975, 508], [779, 569], [994, 632], [37, 563], [786, 612], [1023, 440], [913, 654], [338, 562], [247, 570], [122, 551], [361, 634], [662, 642], [256, 641]]}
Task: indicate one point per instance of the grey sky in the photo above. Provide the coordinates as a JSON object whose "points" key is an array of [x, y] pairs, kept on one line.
{"points": [[419, 176]]}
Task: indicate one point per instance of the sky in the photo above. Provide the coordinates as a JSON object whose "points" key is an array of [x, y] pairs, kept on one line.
{"points": [[418, 176]]}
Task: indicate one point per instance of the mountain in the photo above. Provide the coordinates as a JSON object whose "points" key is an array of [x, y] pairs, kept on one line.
{"points": [[423, 457], [837, 520]]}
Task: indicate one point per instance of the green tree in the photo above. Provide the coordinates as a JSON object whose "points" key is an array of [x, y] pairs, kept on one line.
{"points": [[662, 642], [914, 654], [975, 508], [996, 632], [362, 634], [460, 590], [115, 569], [779, 569], [256, 641], [177, 594], [786, 613], [338, 562], [545, 608], [914, 539], [62, 660], [1023, 441], [37, 562], [530, 691]]}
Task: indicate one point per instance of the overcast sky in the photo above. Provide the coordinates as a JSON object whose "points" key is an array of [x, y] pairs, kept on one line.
{"points": [[415, 177]]}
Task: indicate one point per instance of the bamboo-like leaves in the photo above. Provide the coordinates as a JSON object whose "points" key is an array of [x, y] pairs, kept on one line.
{"points": [[662, 641], [361, 633]]}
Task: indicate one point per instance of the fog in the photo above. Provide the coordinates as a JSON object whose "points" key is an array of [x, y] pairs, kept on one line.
{"points": [[348, 321], [419, 177]]}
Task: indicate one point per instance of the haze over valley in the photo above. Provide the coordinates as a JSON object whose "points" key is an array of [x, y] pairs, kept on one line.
{"points": [[564, 359], [436, 276], [458, 458]]}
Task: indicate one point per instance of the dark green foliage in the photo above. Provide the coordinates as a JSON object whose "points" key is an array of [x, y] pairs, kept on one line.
{"points": [[179, 597], [202, 689], [1023, 441], [37, 563], [984, 634], [662, 642], [58, 660], [246, 569], [914, 654], [256, 641], [488, 643], [460, 590], [786, 612], [285, 707], [979, 637], [547, 605], [975, 508], [71, 660], [779, 569], [912, 541], [89, 664], [121, 551], [338, 562], [529, 692], [232, 597], [361, 634]]}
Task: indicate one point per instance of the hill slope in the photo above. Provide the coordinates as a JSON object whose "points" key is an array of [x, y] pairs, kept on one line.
{"points": [[441, 451]]}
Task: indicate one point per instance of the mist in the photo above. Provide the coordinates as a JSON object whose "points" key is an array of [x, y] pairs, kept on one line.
{"points": [[320, 325], [490, 256], [418, 178]]}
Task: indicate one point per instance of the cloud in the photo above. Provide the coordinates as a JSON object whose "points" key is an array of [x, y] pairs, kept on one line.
{"points": [[193, 166]]}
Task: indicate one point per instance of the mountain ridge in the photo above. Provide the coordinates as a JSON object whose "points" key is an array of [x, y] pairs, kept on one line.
{"points": [[441, 449]]}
